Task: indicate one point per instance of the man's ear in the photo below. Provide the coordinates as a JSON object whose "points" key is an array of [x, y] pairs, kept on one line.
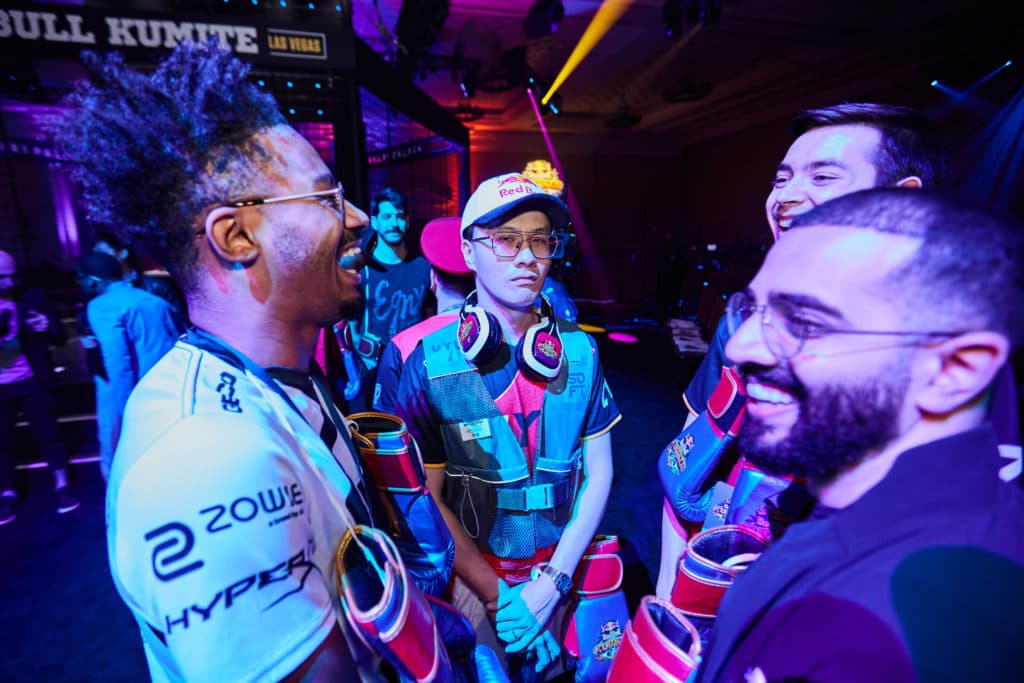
{"points": [[960, 369], [467, 254], [433, 281], [229, 237], [912, 182]]}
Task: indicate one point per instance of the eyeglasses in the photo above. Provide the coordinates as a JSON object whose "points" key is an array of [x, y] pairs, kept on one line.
{"points": [[334, 197], [508, 243], [787, 329]]}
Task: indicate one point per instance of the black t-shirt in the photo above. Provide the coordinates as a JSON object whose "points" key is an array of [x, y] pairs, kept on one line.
{"points": [[395, 297]]}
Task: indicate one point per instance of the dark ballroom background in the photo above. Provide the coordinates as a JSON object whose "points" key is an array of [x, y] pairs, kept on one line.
{"points": [[666, 135]]}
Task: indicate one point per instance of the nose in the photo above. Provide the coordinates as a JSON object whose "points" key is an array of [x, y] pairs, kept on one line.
{"points": [[525, 256], [747, 344], [793, 192], [355, 218]]}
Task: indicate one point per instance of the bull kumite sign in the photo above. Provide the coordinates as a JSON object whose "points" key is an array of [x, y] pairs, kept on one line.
{"points": [[48, 31]]}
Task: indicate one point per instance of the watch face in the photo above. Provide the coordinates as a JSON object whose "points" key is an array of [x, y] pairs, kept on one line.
{"points": [[562, 581]]}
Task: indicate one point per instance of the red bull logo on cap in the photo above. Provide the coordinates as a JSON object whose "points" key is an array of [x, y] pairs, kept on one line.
{"points": [[515, 185]]}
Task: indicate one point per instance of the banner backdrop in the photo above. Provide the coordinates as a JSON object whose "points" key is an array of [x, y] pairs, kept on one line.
{"points": [[63, 31]]}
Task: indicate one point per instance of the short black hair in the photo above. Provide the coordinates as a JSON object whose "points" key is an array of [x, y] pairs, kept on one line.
{"points": [[153, 151], [463, 284], [108, 237], [910, 144], [100, 266], [390, 195], [969, 270]]}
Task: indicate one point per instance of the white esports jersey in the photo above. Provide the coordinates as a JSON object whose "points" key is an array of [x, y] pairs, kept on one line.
{"points": [[224, 510]]}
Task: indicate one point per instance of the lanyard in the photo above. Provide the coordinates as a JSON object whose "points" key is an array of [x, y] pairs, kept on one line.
{"points": [[216, 347]]}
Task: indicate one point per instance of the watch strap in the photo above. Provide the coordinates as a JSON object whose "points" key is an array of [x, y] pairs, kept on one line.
{"points": [[562, 581]]}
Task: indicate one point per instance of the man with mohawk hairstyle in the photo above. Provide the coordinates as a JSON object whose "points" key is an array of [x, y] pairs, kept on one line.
{"points": [[233, 481]]}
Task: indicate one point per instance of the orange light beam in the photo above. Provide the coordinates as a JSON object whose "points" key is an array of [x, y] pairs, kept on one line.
{"points": [[607, 14]]}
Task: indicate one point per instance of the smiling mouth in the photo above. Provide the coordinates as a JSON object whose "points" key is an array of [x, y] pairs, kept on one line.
{"points": [[765, 394], [351, 256]]}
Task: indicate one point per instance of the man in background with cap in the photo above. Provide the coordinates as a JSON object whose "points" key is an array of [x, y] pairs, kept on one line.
{"points": [[451, 281], [134, 330], [28, 325], [512, 414]]}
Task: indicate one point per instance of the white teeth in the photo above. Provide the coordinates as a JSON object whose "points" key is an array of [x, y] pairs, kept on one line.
{"points": [[349, 257], [759, 392]]}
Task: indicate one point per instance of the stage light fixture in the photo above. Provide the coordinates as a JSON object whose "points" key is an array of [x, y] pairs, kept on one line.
{"points": [[543, 18], [554, 105], [934, 83]]}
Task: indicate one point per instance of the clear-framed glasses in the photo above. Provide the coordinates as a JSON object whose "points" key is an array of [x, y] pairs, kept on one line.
{"points": [[334, 198], [787, 328], [507, 243]]}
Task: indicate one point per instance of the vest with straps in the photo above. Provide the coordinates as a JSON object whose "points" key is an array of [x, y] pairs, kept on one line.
{"points": [[508, 511]]}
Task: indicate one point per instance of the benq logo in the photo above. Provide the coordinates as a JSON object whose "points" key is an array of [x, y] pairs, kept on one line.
{"points": [[169, 552]]}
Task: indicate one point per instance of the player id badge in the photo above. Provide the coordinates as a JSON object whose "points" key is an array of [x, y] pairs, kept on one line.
{"points": [[477, 429]]}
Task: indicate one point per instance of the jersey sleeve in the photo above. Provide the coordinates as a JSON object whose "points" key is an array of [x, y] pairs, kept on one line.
{"points": [[413, 406], [385, 394], [211, 544], [602, 413], [706, 378]]}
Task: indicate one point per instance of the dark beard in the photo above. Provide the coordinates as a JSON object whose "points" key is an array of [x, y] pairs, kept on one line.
{"points": [[837, 425]]}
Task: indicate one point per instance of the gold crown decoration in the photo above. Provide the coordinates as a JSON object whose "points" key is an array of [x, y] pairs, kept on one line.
{"points": [[545, 175]]}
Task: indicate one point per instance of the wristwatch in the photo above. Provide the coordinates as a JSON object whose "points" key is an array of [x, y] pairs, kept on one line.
{"points": [[562, 581]]}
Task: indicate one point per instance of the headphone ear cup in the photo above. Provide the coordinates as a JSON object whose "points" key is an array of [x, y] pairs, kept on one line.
{"points": [[539, 352], [479, 334]]}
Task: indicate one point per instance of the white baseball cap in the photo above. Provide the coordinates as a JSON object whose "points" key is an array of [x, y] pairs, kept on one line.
{"points": [[512, 194]]}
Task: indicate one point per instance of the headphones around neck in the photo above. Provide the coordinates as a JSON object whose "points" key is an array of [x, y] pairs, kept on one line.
{"points": [[538, 353]]}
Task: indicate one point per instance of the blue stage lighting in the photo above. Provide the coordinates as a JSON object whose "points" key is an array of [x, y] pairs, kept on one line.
{"points": [[934, 84]]}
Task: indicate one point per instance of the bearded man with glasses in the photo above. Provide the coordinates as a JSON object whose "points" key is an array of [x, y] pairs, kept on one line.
{"points": [[870, 341], [513, 416], [234, 479]]}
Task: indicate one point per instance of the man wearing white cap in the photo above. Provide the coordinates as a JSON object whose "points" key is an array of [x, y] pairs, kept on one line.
{"points": [[512, 414]]}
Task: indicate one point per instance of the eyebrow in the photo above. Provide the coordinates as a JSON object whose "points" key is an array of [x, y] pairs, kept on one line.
{"points": [[805, 301], [814, 165], [538, 231]]}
